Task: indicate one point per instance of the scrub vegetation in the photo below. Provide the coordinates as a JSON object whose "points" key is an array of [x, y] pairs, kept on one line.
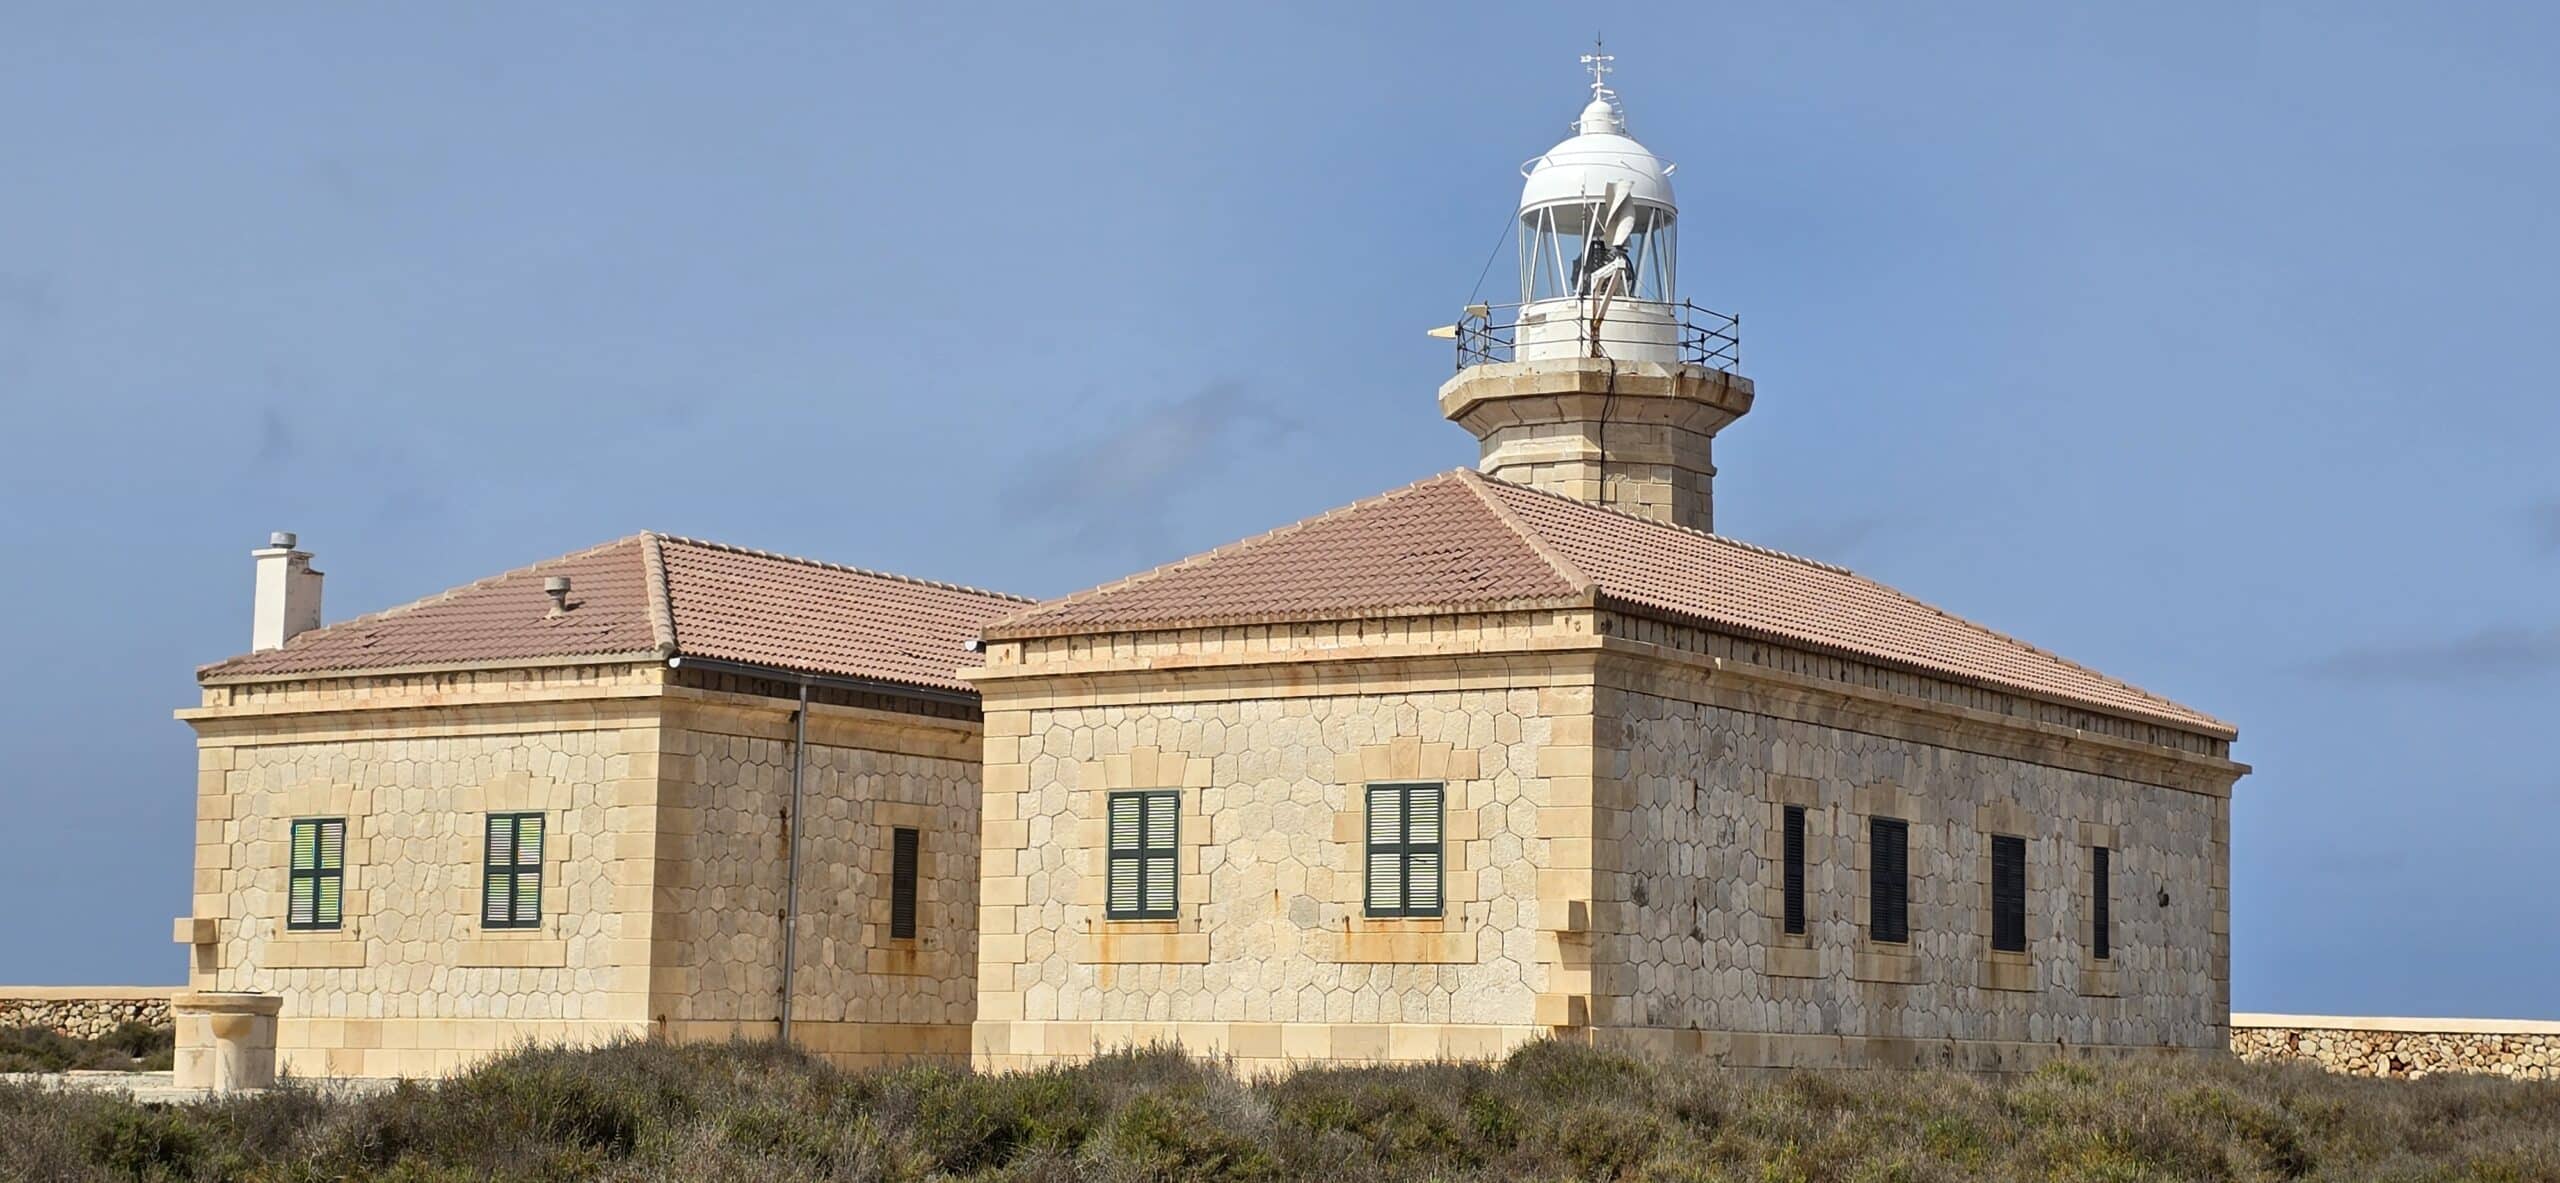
{"points": [[707, 1114]]}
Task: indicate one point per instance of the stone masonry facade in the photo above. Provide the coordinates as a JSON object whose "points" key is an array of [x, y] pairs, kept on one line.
{"points": [[1611, 792], [661, 872]]}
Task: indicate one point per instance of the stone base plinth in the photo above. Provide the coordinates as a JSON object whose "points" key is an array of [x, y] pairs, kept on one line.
{"points": [[226, 1042]]}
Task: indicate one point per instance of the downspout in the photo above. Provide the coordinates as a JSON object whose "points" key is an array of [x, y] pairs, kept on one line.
{"points": [[791, 862]]}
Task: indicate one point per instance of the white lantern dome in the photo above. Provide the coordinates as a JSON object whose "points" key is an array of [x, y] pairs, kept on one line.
{"points": [[1600, 151]]}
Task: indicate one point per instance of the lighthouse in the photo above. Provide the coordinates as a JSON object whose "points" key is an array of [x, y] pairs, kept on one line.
{"points": [[1600, 382]]}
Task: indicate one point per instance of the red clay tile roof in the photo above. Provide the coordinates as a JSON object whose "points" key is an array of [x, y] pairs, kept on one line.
{"points": [[655, 596], [1465, 541]]}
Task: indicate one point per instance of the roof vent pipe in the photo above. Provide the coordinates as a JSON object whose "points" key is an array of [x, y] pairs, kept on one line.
{"points": [[557, 587], [286, 602]]}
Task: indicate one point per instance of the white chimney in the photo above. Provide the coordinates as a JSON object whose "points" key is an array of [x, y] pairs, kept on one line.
{"points": [[288, 600]]}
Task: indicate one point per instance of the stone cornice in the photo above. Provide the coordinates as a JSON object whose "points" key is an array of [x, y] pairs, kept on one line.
{"points": [[1715, 681]]}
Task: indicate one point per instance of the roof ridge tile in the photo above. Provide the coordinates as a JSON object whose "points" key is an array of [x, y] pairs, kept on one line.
{"points": [[822, 564], [662, 614], [1565, 568]]}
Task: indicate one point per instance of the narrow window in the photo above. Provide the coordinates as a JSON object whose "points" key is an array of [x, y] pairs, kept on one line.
{"points": [[1795, 869], [1889, 880], [2008, 893], [2101, 939], [511, 878], [902, 883], [1143, 829], [316, 887], [1404, 850]]}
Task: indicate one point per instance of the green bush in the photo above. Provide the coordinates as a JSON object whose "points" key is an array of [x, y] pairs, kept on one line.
{"points": [[131, 1047], [644, 1111]]}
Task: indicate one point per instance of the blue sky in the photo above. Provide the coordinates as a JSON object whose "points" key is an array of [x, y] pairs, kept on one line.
{"points": [[2206, 344]]}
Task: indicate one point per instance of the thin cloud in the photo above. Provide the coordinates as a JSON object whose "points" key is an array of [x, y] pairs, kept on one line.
{"points": [[1113, 489], [1841, 541], [2543, 519], [2496, 654], [276, 441]]}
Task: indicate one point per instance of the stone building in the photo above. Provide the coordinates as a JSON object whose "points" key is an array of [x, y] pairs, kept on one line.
{"points": [[558, 804], [1506, 753], [1531, 751]]}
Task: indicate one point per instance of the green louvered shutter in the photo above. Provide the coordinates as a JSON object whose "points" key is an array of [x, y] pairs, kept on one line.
{"points": [[903, 847], [1404, 862], [1163, 826], [1792, 882], [1145, 849], [1889, 880], [528, 871], [1128, 826], [2101, 935], [511, 876], [1422, 850], [1386, 851], [2008, 893], [315, 876]]}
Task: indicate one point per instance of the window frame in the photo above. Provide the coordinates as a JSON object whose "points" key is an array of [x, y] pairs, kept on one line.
{"points": [[2008, 899], [1141, 856], [906, 844], [1877, 826], [316, 874], [515, 869], [1404, 849]]}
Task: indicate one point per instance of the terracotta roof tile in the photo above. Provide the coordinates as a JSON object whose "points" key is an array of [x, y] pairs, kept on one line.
{"points": [[1433, 543], [499, 618], [1661, 569], [733, 604], [654, 596], [1463, 540]]}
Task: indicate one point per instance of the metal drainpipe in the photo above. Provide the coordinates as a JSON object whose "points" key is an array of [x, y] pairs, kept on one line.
{"points": [[791, 864]]}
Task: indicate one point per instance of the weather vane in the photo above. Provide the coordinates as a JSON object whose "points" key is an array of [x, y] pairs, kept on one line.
{"points": [[1600, 68]]}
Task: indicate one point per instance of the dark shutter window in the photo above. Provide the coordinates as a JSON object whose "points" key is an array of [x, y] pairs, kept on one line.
{"points": [[315, 889], [1144, 828], [2101, 940], [1795, 868], [902, 883], [511, 875], [2008, 893], [1404, 850], [1889, 880]]}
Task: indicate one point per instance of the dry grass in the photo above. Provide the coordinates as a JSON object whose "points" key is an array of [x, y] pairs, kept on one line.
{"points": [[708, 1114]]}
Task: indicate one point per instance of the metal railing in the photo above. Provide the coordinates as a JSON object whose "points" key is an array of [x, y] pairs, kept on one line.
{"points": [[1699, 336]]}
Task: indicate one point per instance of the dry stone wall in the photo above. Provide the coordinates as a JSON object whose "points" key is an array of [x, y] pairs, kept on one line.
{"points": [[2525, 1050], [84, 1012]]}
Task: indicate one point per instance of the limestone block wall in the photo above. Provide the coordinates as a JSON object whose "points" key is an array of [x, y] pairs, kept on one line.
{"points": [[2519, 1048], [410, 983], [1269, 959], [859, 994], [84, 1012], [1692, 937]]}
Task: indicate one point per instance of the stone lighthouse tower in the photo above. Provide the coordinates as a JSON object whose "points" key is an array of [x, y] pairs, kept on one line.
{"points": [[1601, 383]]}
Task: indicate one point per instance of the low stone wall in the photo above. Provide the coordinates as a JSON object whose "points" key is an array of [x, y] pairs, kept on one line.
{"points": [[2522, 1048], [84, 1012]]}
